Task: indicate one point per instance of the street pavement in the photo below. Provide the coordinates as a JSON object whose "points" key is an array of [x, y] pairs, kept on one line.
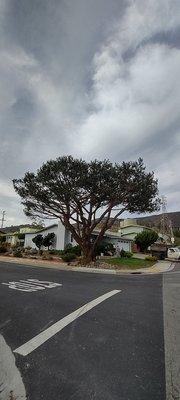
{"points": [[84, 336]]}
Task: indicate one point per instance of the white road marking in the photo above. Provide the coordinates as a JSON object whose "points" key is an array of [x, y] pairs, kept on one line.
{"points": [[31, 285], [42, 337]]}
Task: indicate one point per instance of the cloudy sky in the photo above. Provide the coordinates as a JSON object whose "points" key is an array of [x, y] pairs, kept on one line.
{"points": [[91, 78]]}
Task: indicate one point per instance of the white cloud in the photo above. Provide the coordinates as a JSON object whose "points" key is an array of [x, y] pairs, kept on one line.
{"points": [[6, 190], [80, 93], [136, 98]]}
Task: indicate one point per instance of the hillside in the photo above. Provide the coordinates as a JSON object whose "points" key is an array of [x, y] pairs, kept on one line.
{"points": [[152, 220], [155, 220], [16, 228]]}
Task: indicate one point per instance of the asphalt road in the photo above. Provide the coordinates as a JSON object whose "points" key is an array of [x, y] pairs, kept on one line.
{"points": [[114, 351]]}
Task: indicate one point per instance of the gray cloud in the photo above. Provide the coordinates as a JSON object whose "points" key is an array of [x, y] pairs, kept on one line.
{"points": [[94, 79]]}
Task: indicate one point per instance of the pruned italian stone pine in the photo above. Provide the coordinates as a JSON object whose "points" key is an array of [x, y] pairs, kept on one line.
{"points": [[86, 194]]}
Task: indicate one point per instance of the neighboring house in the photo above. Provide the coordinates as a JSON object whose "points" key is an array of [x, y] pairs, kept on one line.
{"points": [[27, 229], [63, 237], [13, 237], [129, 229]]}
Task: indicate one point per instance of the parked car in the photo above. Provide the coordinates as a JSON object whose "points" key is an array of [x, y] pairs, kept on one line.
{"points": [[159, 250], [174, 253]]}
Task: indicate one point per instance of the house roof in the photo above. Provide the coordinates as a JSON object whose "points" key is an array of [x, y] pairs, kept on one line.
{"points": [[42, 230], [135, 225], [11, 233], [116, 235], [128, 233]]}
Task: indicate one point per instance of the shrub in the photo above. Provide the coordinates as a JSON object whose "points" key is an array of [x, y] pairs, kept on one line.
{"points": [[151, 258], [17, 253], [76, 250], [125, 254], [3, 249], [67, 257], [72, 249], [2, 239], [38, 240], [48, 240], [15, 246], [21, 236], [33, 251], [47, 257], [145, 238], [105, 248]]}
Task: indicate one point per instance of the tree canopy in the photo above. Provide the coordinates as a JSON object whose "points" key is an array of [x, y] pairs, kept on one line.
{"points": [[38, 241], [49, 239], [145, 238], [83, 194]]}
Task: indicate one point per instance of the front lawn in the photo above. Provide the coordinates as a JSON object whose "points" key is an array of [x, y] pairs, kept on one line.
{"points": [[128, 263]]}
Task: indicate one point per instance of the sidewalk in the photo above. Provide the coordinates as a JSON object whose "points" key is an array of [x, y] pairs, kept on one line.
{"points": [[159, 267]]}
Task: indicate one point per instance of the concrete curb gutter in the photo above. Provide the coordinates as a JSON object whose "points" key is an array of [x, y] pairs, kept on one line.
{"points": [[159, 267]]}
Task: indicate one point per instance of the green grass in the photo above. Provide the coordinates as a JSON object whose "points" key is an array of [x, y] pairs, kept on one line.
{"points": [[128, 263]]}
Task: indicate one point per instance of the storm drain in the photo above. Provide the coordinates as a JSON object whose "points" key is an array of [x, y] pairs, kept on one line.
{"points": [[136, 273]]}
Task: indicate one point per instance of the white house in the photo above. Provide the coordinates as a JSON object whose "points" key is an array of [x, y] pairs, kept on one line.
{"points": [[64, 237], [116, 240]]}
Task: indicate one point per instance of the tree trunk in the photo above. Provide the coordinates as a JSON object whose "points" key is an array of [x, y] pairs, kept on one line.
{"points": [[88, 253]]}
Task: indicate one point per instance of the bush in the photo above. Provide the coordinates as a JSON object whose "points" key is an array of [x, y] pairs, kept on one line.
{"points": [[145, 238], [68, 257], [72, 249], [3, 249], [33, 251], [151, 258], [105, 248], [76, 250], [47, 257], [2, 239], [56, 252], [125, 254], [17, 253]]}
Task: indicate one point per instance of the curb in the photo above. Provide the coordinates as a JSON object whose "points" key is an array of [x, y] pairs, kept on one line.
{"points": [[63, 267]]}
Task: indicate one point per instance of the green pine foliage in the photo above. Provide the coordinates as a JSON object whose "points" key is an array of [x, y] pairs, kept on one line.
{"points": [[145, 238], [85, 194]]}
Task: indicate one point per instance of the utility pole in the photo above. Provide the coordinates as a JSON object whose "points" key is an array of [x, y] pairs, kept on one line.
{"points": [[3, 218], [166, 223], [164, 212], [171, 230]]}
